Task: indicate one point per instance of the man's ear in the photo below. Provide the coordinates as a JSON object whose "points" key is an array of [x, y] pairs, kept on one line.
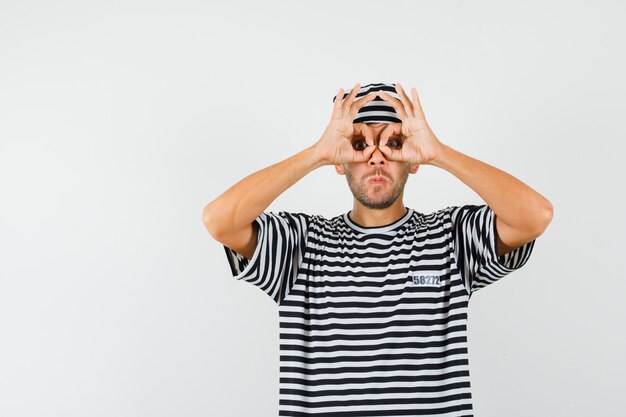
{"points": [[413, 168], [339, 169]]}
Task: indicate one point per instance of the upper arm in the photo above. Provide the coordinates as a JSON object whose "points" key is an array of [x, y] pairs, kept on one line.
{"points": [[273, 262], [486, 249]]}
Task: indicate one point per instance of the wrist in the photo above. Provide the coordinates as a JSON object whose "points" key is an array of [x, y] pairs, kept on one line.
{"points": [[440, 156], [317, 159]]}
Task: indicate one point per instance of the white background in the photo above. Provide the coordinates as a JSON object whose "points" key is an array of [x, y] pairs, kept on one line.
{"points": [[120, 120]]}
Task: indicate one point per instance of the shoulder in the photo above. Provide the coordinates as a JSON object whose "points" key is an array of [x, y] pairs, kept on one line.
{"points": [[437, 217], [466, 212], [296, 220], [450, 216]]}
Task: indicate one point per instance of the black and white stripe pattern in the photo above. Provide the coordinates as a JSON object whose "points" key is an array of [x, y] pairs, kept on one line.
{"points": [[281, 238], [476, 248], [377, 110], [373, 320]]}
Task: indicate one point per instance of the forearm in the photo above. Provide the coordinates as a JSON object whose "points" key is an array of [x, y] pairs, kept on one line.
{"points": [[515, 203], [238, 206]]}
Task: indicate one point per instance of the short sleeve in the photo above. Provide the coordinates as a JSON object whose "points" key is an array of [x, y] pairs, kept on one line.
{"points": [[281, 244], [474, 241]]}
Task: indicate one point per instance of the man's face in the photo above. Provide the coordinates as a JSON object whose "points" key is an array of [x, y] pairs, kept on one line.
{"points": [[373, 194]]}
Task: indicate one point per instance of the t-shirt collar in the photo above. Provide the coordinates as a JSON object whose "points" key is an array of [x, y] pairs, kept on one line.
{"points": [[377, 229]]}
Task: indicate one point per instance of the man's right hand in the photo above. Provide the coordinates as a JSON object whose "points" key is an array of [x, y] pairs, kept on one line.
{"points": [[336, 146]]}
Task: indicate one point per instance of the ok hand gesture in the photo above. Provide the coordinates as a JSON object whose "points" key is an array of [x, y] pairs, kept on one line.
{"points": [[419, 144], [336, 146]]}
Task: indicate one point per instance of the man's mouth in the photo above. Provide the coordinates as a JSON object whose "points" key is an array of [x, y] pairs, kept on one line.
{"points": [[377, 180]]}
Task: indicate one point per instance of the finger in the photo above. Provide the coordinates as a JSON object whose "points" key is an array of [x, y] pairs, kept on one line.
{"points": [[362, 131], [354, 109], [367, 152], [356, 133], [417, 103], [390, 154], [365, 99], [347, 103], [405, 99], [383, 137], [386, 152], [368, 135], [395, 103], [392, 130], [337, 99]]}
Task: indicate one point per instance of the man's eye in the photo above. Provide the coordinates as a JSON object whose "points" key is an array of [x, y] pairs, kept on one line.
{"points": [[358, 144], [393, 143]]}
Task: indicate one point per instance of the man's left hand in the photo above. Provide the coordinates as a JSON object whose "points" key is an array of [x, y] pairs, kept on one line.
{"points": [[419, 144]]}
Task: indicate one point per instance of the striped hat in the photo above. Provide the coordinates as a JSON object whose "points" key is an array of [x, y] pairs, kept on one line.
{"points": [[377, 110]]}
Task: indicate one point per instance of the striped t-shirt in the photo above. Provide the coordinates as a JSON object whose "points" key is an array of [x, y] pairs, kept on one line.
{"points": [[373, 320]]}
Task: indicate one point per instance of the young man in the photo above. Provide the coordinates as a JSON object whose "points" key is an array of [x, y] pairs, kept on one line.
{"points": [[373, 302]]}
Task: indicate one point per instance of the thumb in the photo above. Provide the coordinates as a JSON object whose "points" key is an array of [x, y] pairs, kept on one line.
{"points": [[385, 150], [391, 154], [367, 152], [364, 154]]}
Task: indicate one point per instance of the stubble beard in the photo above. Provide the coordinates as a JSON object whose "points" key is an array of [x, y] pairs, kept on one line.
{"points": [[377, 196]]}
